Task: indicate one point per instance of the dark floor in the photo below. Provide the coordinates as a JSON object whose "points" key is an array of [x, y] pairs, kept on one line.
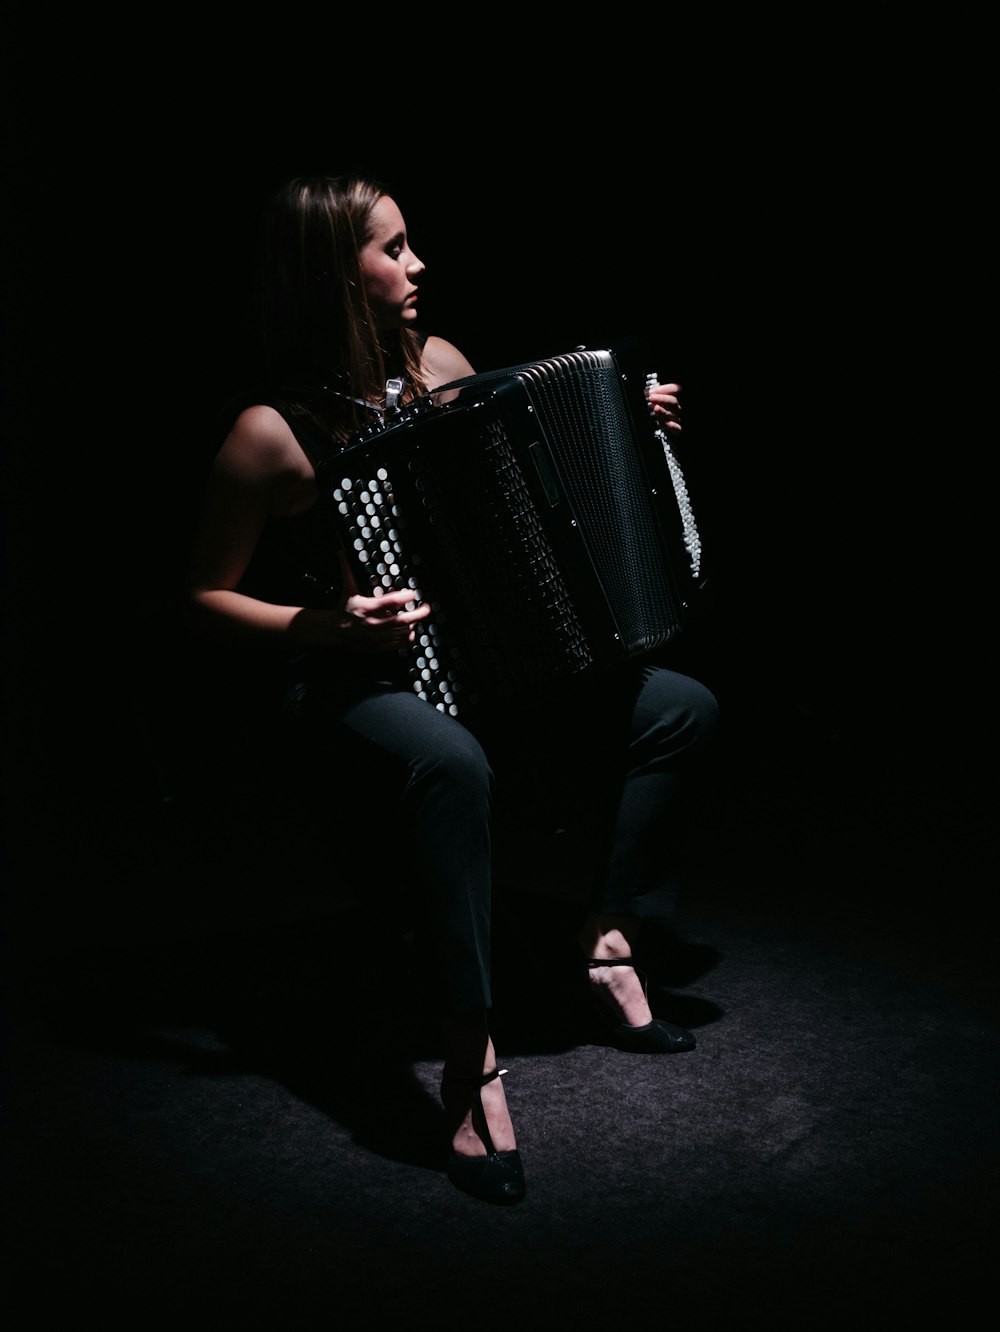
{"points": [[223, 1089]]}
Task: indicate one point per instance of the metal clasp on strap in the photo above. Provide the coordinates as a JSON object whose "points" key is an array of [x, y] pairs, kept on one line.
{"points": [[393, 388]]}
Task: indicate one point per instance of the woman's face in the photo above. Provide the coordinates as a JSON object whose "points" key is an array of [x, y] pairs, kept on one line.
{"points": [[390, 268]]}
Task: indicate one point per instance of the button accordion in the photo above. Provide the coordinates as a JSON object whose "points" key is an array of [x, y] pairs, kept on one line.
{"points": [[540, 512]]}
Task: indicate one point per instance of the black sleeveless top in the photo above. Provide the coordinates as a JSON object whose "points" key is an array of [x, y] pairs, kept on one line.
{"points": [[296, 562]]}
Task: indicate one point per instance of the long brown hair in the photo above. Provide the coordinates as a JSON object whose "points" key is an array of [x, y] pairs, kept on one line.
{"points": [[317, 327]]}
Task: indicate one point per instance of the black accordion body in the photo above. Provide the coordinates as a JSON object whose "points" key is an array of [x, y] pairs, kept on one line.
{"points": [[542, 515]]}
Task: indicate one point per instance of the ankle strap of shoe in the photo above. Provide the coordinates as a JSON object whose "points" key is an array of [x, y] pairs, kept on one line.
{"points": [[476, 1081]]}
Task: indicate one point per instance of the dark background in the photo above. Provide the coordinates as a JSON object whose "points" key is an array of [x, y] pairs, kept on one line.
{"points": [[793, 222], [790, 271]]}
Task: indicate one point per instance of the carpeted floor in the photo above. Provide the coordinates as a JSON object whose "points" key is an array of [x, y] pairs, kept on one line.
{"points": [[210, 1121]]}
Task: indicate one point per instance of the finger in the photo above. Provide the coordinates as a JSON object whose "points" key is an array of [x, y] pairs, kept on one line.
{"points": [[399, 597]]}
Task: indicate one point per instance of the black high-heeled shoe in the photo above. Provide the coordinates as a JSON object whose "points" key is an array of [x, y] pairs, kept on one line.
{"points": [[497, 1177], [655, 1037]]}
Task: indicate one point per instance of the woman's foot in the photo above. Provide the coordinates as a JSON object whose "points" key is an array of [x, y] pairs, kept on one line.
{"points": [[484, 1160], [619, 990], [472, 1107]]}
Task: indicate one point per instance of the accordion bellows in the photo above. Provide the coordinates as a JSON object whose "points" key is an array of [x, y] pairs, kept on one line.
{"points": [[539, 511]]}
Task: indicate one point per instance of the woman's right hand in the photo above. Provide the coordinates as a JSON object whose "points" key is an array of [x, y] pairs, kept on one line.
{"points": [[379, 623]]}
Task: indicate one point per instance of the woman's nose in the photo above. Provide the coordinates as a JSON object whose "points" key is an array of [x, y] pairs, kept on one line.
{"points": [[415, 266]]}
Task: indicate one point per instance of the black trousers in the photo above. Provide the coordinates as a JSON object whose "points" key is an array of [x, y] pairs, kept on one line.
{"points": [[616, 762]]}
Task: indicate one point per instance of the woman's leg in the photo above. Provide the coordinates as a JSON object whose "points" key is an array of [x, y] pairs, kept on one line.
{"points": [[484, 1159], [604, 936], [669, 726], [432, 785], [469, 1054], [659, 728], [428, 790]]}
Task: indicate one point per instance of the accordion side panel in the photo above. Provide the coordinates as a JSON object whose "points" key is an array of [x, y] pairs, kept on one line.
{"points": [[593, 435]]}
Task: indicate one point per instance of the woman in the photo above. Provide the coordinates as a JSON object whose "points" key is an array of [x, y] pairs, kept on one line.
{"points": [[339, 305]]}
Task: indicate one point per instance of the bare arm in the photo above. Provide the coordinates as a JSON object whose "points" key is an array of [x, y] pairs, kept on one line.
{"points": [[261, 471]]}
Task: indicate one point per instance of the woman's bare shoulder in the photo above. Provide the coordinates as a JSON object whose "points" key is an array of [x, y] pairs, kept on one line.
{"points": [[442, 362], [261, 440]]}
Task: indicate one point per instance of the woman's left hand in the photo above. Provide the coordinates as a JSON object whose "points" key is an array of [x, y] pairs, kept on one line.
{"points": [[663, 400]]}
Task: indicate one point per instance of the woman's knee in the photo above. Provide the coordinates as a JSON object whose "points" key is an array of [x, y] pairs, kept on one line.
{"points": [[702, 707], [677, 705], [457, 760]]}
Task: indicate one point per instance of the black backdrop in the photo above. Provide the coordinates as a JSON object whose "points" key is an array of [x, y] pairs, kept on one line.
{"points": [[790, 214], [767, 270]]}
